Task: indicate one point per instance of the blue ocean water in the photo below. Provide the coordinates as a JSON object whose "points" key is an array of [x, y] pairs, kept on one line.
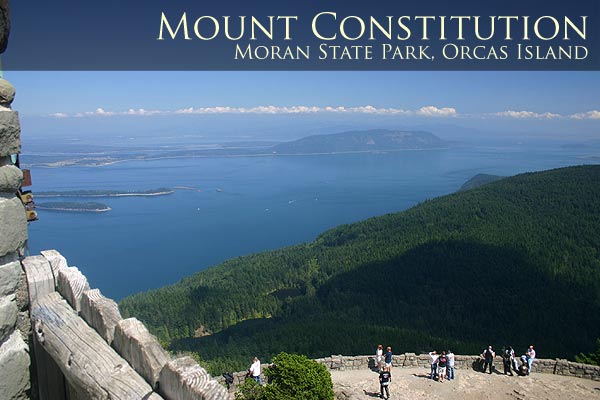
{"points": [[246, 205]]}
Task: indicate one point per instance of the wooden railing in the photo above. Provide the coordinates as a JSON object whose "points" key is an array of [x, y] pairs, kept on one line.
{"points": [[84, 349]]}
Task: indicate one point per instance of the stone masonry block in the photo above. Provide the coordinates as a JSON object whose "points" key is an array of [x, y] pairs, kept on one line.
{"points": [[8, 316], [13, 224], [10, 275], [14, 374], [10, 133], [11, 178]]}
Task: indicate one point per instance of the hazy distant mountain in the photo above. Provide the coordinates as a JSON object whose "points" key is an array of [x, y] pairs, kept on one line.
{"points": [[370, 140], [479, 180]]}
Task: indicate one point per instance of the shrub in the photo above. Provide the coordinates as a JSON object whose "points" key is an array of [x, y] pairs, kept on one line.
{"points": [[295, 377], [250, 390]]}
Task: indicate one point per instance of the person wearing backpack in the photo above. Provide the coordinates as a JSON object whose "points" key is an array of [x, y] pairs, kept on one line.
{"points": [[442, 362]]}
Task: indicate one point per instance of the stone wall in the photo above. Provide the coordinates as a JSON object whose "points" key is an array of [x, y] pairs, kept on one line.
{"points": [[546, 366], [14, 316], [407, 360]]}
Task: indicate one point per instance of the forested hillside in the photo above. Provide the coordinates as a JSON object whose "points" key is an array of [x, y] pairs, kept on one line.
{"points": [[516, 261]]}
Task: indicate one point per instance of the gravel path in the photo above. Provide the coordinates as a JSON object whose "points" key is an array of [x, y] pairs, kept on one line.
{"points": [[413, 383]]}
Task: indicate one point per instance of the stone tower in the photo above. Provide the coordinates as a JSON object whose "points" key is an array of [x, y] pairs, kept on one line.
{"points": [[14, 351]]}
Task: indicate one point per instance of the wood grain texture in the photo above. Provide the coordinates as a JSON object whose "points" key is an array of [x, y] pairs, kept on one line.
{"points": [[101, 313], [71, 285], [140, 348], [89, 364], [57, 262], [184, 379], [40, 280]]}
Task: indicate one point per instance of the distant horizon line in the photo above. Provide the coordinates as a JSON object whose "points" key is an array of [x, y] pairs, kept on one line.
{"points": [[429, 111]]}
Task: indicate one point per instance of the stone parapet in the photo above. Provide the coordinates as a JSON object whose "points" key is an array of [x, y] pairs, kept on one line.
{"points": [[544, 366]]}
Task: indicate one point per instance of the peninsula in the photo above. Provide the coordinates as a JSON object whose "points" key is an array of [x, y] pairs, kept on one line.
{"points": [[73, 206], [106, 193]]}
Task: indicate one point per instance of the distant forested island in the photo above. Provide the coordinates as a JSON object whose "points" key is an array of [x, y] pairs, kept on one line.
{"points": [[105, 193], [361, 141], [513, 262], [73, 206]]}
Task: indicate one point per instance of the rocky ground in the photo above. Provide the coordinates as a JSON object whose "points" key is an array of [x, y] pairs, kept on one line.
{"points": [[414, 383]]}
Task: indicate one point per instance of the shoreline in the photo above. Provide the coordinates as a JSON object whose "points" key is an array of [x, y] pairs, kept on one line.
{"points": [[107, 163], [97, 210], [38, 195]]}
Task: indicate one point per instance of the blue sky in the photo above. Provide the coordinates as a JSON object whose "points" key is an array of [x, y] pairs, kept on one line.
{"points": [[471, 94]]}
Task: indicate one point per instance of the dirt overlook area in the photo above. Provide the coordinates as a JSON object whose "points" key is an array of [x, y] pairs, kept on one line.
{"points": [[414, 384]]}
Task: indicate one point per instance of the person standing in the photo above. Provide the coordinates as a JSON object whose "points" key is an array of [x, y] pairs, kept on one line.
{"points": [[388, 359], [385, 377], [513, 359], [530, 358], [450, 356], [379, 357], [442, 362], [488, 358], [255, 370], [433, 358], [507, 361]]}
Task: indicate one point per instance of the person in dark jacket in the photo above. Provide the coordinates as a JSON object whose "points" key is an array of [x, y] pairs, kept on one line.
{"points": [[385, 377], [442, 362], [507, 361], [488, 358]]}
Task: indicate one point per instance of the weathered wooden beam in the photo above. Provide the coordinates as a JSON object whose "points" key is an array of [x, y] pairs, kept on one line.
{"points": [[40, 280], [138, 346], [57, 262], [88, 363], [184, 379], [50, 380], [101, 313], [71, 285]]}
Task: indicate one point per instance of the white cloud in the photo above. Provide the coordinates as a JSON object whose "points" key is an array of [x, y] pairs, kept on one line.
{"points": [[432, 111], [594, 114], [429, 111], [526, 114], [59, 115], [100, 112]]}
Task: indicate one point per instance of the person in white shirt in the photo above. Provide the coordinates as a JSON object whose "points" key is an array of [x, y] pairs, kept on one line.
{"points": [[530, 357], [433, 357], [255, 370], [450, 372], [379, 357]]}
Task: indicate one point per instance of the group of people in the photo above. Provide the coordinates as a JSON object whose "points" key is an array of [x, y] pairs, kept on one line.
{"points": [[442, 365], [509, 360]]}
